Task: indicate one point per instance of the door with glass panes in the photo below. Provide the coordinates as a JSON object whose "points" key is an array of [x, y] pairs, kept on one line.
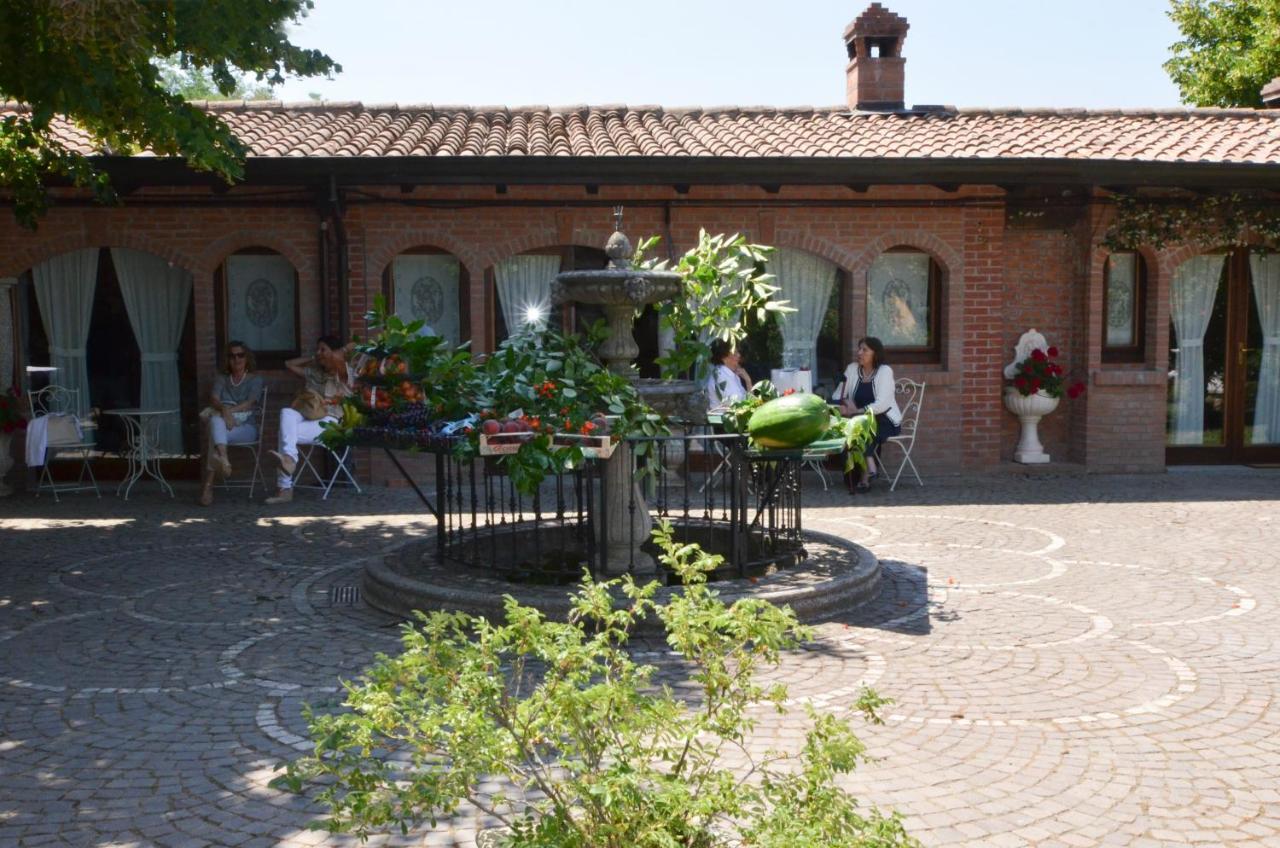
{"points": [[1224, 359]]}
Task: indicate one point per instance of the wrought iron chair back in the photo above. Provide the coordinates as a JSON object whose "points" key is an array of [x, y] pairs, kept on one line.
{"points": [[910, 395], [55, 400]]}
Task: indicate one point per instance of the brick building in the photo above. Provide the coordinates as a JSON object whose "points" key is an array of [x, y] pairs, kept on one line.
{"points": [[949, 232]]}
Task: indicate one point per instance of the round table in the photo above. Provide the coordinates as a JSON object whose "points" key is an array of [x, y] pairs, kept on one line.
{"points": [[141, 426]]}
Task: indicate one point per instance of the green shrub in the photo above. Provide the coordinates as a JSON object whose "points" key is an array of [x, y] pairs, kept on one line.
{"points": [[594, 754]]}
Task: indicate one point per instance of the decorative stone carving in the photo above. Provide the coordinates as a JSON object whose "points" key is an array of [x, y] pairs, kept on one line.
{"points": [[1030, 340]]}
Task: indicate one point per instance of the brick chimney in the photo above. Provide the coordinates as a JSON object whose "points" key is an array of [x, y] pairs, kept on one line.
{"points": [[875, 77], [1271, 94]]}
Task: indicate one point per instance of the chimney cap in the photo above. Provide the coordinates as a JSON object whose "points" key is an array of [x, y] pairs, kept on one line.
{"points": [[877, 22], [1271, 94]]}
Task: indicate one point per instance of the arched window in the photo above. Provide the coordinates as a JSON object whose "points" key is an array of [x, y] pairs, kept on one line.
{"points": [[904, 304], [1124, 303], [258, 303], [430, 285]]}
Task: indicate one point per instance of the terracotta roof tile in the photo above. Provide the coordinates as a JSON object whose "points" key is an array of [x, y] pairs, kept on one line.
{"points": [[272, 129]]}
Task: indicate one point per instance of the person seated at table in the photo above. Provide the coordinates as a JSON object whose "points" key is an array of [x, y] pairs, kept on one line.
{"points": [[869, 387], [329, 374], [728, 382], [231, 416]]}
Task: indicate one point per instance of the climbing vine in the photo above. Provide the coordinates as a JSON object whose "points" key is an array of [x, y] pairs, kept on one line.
{"points": [[1214, 221]]}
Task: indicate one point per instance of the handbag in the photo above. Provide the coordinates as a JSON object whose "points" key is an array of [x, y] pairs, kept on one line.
{"points": [[310, 404]]}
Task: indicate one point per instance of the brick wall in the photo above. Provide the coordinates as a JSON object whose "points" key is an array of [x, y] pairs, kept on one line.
{"points": [[999, 279]]}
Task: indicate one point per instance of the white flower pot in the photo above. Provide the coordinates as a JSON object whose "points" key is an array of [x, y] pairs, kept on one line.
{"points": [[1029, 409], [6, 462]]}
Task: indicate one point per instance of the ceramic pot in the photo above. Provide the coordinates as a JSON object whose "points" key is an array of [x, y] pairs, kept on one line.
{"points": [[1029, 409]]}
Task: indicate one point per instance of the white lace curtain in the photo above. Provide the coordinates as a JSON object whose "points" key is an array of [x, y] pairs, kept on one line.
{"points": [[1266, 295], [1191, 296], [806, 282], [156, 295], [524, 289], [64, 291]]}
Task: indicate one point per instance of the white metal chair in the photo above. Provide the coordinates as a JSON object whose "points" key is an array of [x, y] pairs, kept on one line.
{"points": [[910, 400], [255, 450], [307, 459], [62, 403]]}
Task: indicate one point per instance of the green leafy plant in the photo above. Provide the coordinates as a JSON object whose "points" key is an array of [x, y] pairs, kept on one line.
{"points": [[724, 282], [1040, 372], [1238, 218], [591, 752], [1229, 50]]}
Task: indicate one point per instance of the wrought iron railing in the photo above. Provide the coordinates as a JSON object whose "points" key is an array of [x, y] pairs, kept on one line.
{"points": [[743, 505]]}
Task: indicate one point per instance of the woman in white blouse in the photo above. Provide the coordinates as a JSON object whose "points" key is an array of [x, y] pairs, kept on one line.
{"points": [[728, 382], [869, 387]]}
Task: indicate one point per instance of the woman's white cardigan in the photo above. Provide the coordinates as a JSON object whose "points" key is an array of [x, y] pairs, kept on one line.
{"points": [[882, 386]]}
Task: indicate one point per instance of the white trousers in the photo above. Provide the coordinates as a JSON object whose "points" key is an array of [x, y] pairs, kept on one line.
{"points": [[220, 435], [296, 430]]}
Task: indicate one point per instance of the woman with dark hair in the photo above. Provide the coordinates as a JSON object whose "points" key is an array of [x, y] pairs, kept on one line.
{"points": [[869, 387], [231, 416], [327, 374], [728, 382]]}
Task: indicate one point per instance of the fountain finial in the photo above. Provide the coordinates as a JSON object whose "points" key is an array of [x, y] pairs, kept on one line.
{"points": [[618, 247]]}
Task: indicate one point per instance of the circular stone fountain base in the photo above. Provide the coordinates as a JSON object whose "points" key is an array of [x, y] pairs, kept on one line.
{"points": [[836, 575]]}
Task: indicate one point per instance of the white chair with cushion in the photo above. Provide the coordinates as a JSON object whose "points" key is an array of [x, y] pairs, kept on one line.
{"points": [[255, 450], [910, 395], [67, 437]]}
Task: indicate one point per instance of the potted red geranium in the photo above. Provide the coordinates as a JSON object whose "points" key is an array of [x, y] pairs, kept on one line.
{"points": [[1037, 385], [12, 420]]}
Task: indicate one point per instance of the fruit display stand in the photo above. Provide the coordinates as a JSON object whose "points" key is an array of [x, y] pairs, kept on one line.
{"points": [[503, 444]]}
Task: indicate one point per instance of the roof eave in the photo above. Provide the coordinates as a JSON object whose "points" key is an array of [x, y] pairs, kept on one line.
{"points": [[659, 170]]}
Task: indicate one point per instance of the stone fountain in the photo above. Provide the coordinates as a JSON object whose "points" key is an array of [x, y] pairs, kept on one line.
{"points": [[621, 289]]}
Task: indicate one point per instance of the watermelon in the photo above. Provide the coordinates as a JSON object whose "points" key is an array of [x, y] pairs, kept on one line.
{"points": [[791, 421]]}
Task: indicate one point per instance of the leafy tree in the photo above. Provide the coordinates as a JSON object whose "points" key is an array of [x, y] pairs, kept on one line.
{"points": [[94, 62], [1230, 49], [192, 83], [592, 751]]}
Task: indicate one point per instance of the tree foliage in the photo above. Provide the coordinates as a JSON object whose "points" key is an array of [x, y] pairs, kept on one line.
{"points": [[94, 62], [192, 83], [1230, 49], [588, 749]]}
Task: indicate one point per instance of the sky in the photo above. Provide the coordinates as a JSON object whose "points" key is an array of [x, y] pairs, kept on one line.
{"points": [[1028, 53]]}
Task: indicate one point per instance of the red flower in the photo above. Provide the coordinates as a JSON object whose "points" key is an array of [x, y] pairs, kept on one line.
{"points": [[1035, 386], [1053, 351], [1038, 355], [1020, 381], [1075, 390]]}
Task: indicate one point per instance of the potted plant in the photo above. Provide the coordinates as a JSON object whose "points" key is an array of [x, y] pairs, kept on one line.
{"points": [[11, 421], [1036, 387]]}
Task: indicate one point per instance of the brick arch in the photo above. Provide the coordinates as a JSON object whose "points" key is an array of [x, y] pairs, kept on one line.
{"points": [[217, 251], [532, 240], [381, 255], [943, 253], [554, 243], [28, 257], [830, 251]]}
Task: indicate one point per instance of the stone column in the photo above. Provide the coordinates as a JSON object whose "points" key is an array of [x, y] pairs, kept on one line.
{"points": [[8, 336], [8, 355]]}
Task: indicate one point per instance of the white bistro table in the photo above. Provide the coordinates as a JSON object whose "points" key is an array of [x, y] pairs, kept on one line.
{"points": [[141, 426]]}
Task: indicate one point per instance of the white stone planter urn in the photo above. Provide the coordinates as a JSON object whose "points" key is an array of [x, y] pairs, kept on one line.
{"points": [[6, 462], [1029, 408]]}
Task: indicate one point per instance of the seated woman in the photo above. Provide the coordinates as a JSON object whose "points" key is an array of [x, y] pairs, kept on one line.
{"points": [[327, 373], [231, 416], [869, 387], [728, 382]]}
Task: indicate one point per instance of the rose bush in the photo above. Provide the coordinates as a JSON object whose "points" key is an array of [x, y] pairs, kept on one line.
{"points": [[1040, 372]]}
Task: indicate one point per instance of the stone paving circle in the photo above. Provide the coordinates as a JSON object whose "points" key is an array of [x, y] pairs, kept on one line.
{"points": [[1073, 660]]}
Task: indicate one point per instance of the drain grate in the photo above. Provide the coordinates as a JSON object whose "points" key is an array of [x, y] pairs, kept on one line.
{"points": [[344, 596]]}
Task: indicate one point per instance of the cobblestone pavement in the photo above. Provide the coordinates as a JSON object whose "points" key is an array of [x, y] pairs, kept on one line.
{"points": [[1075, 661]]}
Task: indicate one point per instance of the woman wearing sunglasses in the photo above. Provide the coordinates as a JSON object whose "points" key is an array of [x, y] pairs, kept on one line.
{"points": [[230, 416]]}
